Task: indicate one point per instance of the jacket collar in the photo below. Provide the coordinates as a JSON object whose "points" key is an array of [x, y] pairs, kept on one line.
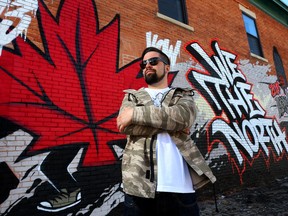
{"points": [[143, 98]]}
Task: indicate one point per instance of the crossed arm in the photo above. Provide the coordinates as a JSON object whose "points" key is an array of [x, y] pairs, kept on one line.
{"points": [[149, 120]]}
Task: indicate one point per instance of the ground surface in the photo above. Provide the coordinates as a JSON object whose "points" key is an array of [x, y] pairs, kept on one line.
{"points": [[265, 200]]}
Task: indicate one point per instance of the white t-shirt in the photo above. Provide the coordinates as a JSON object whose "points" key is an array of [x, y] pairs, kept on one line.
{"points": [[173, 174]]}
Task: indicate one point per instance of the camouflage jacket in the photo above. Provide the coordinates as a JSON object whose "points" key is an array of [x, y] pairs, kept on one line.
{"points": [[177, 113]]}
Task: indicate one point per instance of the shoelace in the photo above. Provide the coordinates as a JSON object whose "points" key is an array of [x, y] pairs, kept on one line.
{"points": [[61, 196]]}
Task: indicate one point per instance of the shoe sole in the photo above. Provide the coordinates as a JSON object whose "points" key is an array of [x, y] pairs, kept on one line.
{"points": [[42, 208]]}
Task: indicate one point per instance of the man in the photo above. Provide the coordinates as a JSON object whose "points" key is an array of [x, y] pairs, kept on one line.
{"points": [[161, 166]]}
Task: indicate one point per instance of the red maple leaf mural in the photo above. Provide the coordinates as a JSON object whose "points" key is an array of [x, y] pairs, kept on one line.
{"points": [[70, 93]]}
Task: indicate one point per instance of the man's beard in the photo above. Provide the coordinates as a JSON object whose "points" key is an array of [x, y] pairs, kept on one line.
{"points": [[152, 78]]}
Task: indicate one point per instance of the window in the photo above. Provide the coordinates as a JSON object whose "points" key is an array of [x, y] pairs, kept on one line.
{"points": [[252, 34], [176, 9], [279, 68]]}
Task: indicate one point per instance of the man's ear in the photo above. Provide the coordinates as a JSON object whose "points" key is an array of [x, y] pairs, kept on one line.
{"points": [[167, 68]]}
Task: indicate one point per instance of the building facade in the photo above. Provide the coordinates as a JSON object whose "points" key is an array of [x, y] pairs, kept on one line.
{"points": [[64, 66]]}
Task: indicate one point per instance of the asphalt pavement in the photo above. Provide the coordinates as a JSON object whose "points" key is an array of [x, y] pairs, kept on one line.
{"points": [[265, 200]]}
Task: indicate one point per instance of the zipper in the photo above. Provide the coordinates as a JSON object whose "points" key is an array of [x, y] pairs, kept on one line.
{"points": [[164, 95], [152, 174]]}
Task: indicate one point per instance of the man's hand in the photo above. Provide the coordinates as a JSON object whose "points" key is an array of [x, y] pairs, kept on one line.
{"points": [[124, 119]]}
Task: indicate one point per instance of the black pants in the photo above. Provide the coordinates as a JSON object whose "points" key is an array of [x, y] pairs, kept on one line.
{"points": [[174, 204]]}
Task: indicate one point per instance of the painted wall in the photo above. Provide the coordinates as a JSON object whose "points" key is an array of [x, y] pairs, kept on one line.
{"points": [[63, 69]]}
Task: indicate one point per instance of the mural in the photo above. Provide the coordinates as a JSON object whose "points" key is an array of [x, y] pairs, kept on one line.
{"points": [[240, 123], [60, 148], [60, 98], [279, 89]]}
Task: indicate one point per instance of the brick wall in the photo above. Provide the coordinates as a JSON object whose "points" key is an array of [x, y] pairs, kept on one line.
{"points": [[61, 88]]}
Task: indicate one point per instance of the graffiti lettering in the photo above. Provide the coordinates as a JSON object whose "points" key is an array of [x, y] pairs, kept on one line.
{"points": [[225, 88], [22, 8], [228, 84], [164, 45], [251, 136]]}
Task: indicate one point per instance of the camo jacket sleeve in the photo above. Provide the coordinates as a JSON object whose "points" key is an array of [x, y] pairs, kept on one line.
{"points": [[178, 115], [134, 129]]}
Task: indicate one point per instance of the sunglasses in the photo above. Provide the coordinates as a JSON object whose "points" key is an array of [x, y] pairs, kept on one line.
{"points": [[152, 61]]}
